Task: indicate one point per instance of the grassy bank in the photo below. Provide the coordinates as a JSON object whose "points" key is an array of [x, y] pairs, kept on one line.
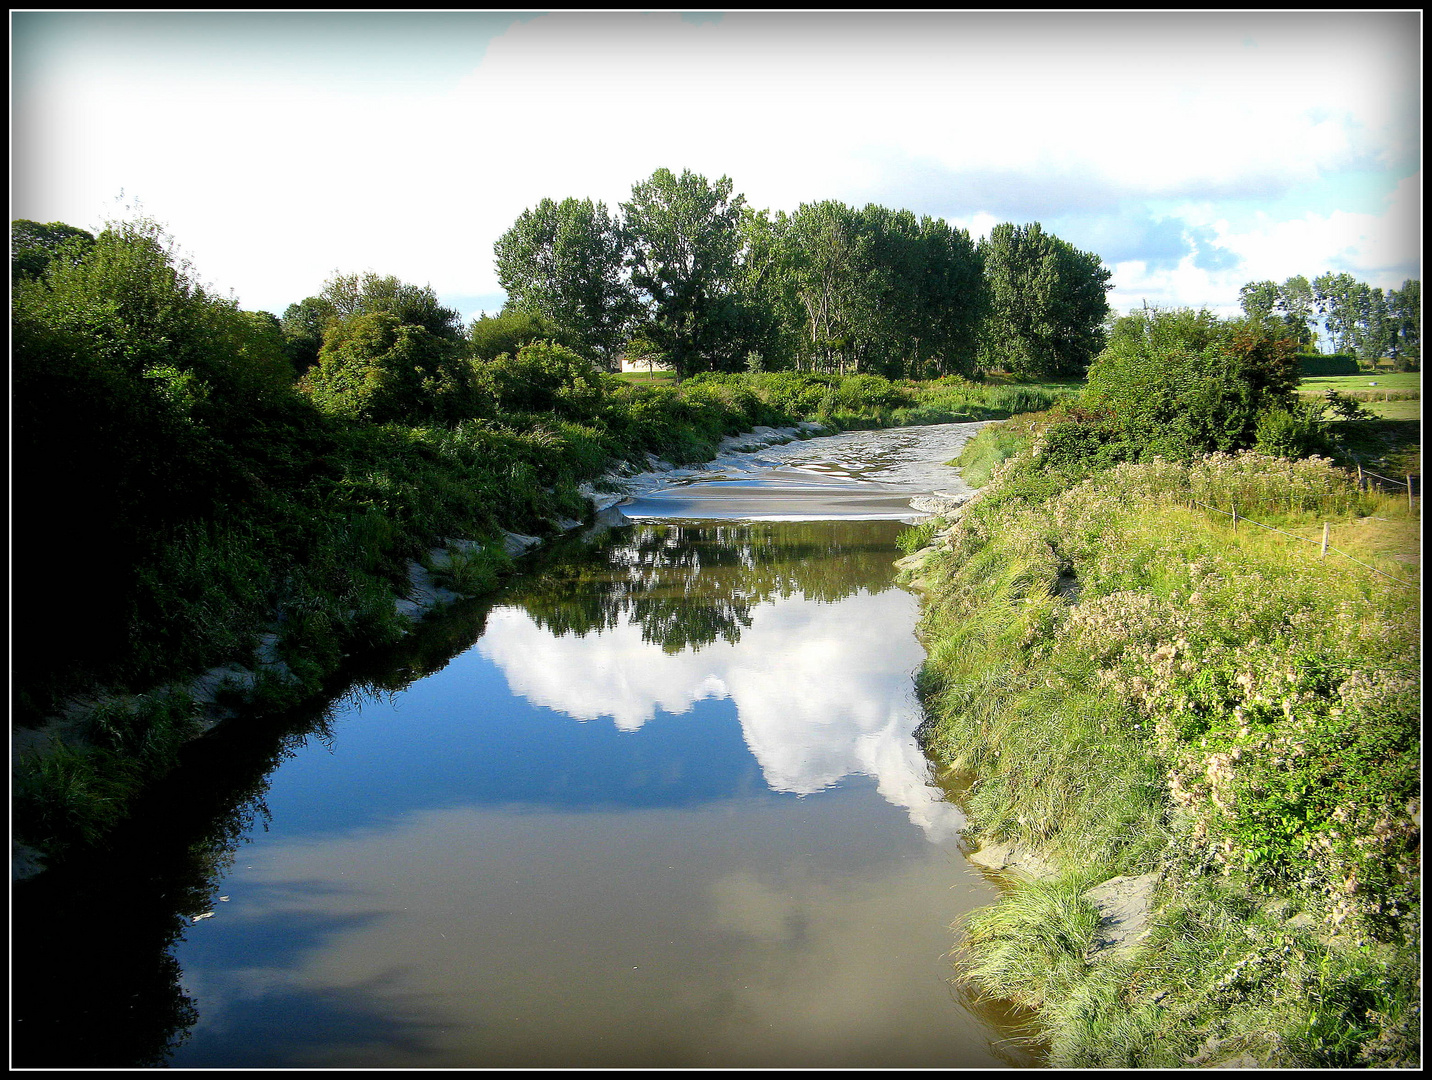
{"points": [[1137, 686]]}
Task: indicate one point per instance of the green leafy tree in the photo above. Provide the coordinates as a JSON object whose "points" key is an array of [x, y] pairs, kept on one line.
{"points": [[769, 290], [1404, 312], [1297, 309], [33, 246], [302, 326], [823, 264], [492, 335], [683, 242], [1258, 299], [351, 295], [374, 367], [563, 262], [1047, 302]]}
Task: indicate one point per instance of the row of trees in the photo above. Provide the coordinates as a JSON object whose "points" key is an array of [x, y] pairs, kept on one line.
{"points": [[687, 269], [1358, 318]]}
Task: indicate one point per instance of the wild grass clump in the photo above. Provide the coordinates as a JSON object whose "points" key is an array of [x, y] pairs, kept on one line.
{"points": [[912, 539], [1031, 949], [77, 792]]}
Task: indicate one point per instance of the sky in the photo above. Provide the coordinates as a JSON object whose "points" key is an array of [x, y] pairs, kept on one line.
{"points": [[1193, 152]]}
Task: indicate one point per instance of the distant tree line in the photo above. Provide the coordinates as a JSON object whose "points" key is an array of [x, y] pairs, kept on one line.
{"points": [[1359, 319], [688, 271]]}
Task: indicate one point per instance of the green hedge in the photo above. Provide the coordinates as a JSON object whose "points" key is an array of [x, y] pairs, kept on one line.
{"points": [[1314, 364]]}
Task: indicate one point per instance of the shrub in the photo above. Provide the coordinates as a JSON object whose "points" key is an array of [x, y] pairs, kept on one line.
{"points": [[1190, 382], [1288, 432], [374, 368]]}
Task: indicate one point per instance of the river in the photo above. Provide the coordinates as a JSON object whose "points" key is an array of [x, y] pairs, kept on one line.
{"points": [[656, 803]]}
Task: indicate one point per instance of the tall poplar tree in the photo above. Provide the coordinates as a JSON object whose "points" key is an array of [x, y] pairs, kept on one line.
{"points": [[1047, 302], [683, 244]]}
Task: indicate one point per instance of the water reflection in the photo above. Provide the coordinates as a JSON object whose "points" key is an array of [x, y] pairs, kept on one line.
{"points": [[660, 815], [822, 690]]}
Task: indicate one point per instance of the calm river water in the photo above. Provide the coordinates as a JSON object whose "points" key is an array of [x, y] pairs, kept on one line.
{"points": [[658, 803]]}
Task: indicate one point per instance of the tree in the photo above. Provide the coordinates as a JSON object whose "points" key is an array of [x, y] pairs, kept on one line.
{"points": [[376, 368], [1258, 299], [493, 335], [1295, 305], [683, 242], [1047, 302], [33, 246], [821, 256], [302, 326], [350, 295], [563, 261], [1404, 312]]}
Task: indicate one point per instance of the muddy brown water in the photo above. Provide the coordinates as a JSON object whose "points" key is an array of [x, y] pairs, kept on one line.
{"points": [[658, 803]]}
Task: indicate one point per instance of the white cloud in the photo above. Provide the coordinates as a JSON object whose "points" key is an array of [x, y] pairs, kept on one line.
{"points": [[1381, 249]]}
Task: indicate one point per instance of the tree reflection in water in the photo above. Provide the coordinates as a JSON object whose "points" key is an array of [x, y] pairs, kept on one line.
{"points": [[690, 584]]}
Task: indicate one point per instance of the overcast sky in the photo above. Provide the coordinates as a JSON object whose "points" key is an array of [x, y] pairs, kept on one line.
{"points": [[1192, 152]]}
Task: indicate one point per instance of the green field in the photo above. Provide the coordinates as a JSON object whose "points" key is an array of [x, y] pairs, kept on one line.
{"points": [[1392, 396], [650, 378]]}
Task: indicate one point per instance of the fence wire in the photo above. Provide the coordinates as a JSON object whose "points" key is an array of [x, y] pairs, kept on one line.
{"points": [[1295, 536]]}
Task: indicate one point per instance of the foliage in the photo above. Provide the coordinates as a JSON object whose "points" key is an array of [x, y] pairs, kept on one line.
{"points": [[34, 246], [563, 262], [375, 368], [683, 242], [544, 377], [1184, 382], [302, 326], [1047, 304], [1372, 324], [352, 295], [1312, 365], [490, 336]]}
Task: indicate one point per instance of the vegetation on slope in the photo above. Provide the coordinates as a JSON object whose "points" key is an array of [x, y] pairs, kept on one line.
{"points": [[1139, 683]]}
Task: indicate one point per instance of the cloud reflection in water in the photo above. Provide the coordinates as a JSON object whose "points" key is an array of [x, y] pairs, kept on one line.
{"points": [[822, 689]]}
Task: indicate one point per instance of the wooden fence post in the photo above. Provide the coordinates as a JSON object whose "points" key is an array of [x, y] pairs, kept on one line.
{"points": [[1324, 553], [1359, 476], [1410, 508]]}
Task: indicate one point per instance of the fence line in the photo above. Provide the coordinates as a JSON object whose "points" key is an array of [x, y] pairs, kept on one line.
{"points": [[1365, 476], [1237, 517]]}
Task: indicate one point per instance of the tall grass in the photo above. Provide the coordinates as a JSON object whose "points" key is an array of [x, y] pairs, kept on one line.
{"points": [[1138, 685]]}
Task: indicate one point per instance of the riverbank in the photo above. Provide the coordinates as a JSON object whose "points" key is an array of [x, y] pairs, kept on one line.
{"points": [[75, 772], [1191, 746], [414, 519]]}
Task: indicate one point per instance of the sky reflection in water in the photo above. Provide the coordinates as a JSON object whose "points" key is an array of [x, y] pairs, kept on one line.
{"points": [[608, 836]]}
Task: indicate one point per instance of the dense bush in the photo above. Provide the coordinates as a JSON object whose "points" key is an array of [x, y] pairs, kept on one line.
{"points": [[1188, 384], [493, 335], [375, 368]]}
